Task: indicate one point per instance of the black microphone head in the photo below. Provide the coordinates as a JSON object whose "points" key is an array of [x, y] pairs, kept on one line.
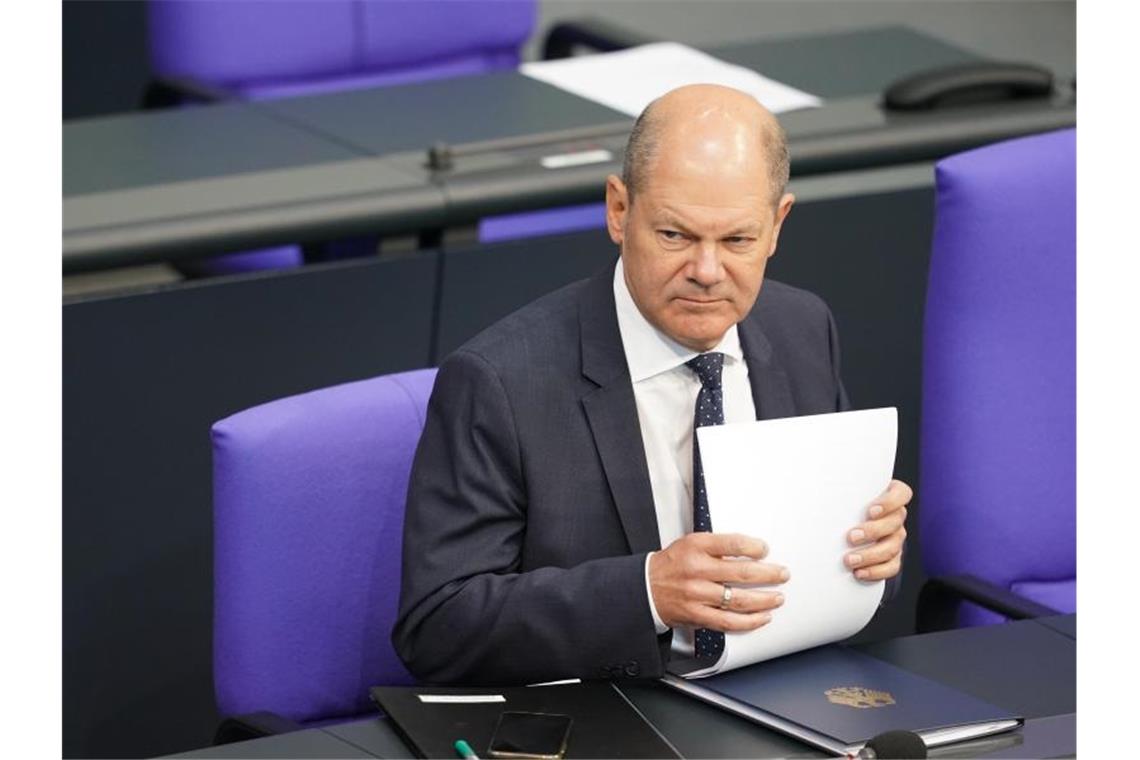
{"points": [[902, 745]]}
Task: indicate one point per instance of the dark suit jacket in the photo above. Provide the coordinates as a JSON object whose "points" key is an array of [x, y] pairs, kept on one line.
{"points": [[530, 511]]}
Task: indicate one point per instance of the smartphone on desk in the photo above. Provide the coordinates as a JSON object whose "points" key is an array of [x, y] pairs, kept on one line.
{"points": [[531, 735]]}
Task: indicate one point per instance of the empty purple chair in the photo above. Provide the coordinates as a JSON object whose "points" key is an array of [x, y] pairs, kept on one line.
{"points": [[308, 521], [211, 49], [997, 507], [281, 48]]}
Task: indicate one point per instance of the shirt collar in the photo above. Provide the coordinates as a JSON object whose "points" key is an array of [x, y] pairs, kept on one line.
{"points": [[648, 351]]}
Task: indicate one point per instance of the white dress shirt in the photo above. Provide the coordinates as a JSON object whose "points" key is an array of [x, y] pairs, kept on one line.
{"points": [[665, 391]]}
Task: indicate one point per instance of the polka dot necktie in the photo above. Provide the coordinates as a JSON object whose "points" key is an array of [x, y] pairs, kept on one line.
{"points": [[708, 644]]}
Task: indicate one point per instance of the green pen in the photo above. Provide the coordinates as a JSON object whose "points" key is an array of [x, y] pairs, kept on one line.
{"points": [[465, 751]]}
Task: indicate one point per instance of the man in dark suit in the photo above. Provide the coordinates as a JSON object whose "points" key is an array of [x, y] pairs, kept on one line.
{"points": [[556, 525]]}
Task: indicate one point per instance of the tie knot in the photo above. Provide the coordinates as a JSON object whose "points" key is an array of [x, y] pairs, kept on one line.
{"points": [[708, 367]]}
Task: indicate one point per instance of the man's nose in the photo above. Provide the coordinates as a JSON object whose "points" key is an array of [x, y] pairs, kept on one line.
{"points": [[706, 269]]}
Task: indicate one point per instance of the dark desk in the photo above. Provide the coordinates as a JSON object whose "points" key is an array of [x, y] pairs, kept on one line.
{"points": [[200, 181], [1002, 664], [1064, 624]]}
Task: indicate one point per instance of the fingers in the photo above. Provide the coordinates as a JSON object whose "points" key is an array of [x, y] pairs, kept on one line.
{"points": [[720, 620], [687, 581], [897, 495], [882, 571], [873, 530], [729, 545], [741, 600], [879, 552], [885, 534], [713, 565]]}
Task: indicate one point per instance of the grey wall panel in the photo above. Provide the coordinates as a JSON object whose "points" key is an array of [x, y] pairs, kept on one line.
{"points": [[144, 377]]}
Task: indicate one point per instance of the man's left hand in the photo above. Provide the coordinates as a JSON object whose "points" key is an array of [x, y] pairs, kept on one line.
{"points": [[880, 539]]}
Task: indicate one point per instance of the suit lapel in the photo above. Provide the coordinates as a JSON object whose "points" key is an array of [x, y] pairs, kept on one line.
{"points": [[612, 414], [771, 393]]}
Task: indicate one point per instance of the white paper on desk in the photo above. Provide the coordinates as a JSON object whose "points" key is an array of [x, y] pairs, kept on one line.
{"points": [[800, 484], [628, 80]]}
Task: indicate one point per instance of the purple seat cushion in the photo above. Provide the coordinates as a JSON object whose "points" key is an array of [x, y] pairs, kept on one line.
{"points": [[229, 41], [276, 48], [998, 462], [1059, 595], [308, 520], [260, 260], [497, 229]]}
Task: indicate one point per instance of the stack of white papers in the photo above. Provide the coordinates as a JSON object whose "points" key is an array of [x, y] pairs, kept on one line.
{"points": [[801, 484], [629, 80]]}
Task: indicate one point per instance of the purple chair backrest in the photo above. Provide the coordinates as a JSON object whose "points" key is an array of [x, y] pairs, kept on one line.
{"points": [[308, 522], [998, 454], [275, 48]]}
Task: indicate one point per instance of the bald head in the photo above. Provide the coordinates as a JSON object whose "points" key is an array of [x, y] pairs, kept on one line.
{"points": [[709, 126]]}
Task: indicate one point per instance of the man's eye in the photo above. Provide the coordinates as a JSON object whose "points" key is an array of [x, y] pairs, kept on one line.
{"points": [[737, 240], [670, 234]]}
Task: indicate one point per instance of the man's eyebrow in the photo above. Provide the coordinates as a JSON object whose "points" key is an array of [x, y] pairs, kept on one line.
{"points": [[747, 228], [672, 220]]}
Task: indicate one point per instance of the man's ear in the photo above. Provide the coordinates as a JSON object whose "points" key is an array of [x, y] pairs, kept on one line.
{"points": [[782, 209], [617, 208]]}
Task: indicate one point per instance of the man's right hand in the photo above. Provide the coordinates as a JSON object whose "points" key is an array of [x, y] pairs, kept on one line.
{"points": [[687, 581]]}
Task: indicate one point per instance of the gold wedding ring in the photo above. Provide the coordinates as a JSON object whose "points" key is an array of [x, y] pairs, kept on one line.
{"points": [[726, 596]]}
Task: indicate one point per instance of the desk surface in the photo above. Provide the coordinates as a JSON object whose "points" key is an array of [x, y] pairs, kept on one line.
{"points": [[1002, 664]]}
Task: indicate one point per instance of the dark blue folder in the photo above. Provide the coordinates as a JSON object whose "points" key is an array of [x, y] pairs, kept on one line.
{"points": [[836, 698]]}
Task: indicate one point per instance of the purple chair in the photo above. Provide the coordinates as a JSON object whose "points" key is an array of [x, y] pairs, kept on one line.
{"points": [[281, 48], [308, 522], [997, 507]]}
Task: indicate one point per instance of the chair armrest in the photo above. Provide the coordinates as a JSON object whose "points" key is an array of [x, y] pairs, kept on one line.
{"points": [[253, 726], [939, 599], [597, 34], [166, 92]]}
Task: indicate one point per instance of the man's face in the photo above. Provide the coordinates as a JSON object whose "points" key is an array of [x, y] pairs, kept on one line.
{"points": [[694, 244]]}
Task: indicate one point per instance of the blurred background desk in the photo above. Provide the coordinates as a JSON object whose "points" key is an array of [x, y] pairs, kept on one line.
{"points": [[211, 179]]}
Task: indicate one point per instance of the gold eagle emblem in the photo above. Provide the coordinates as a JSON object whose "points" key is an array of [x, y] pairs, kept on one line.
{"points": [[857, 696]]}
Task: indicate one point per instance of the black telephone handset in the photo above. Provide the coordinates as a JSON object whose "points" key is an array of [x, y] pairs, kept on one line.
{"points": [[968, 84]]}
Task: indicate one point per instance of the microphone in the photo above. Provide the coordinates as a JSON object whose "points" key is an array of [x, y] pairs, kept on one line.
{"points": [[893, 744]]}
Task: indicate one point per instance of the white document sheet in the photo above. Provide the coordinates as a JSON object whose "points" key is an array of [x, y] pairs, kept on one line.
{"points": [[627, 80], [800, 484]]}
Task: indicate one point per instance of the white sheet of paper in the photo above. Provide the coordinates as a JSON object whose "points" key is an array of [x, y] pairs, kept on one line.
{"points": [[627, 80], [800, 484]]}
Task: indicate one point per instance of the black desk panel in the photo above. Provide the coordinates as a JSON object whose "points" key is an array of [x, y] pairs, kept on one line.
{"points": [[144, 378], [314, 743], [236, 212], [1063, 624], [850, 63], [141, 150], [386, 120], [1022, 666]]}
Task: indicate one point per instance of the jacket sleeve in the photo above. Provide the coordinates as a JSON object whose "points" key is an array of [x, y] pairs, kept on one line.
{"points": [[469, 612]]}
